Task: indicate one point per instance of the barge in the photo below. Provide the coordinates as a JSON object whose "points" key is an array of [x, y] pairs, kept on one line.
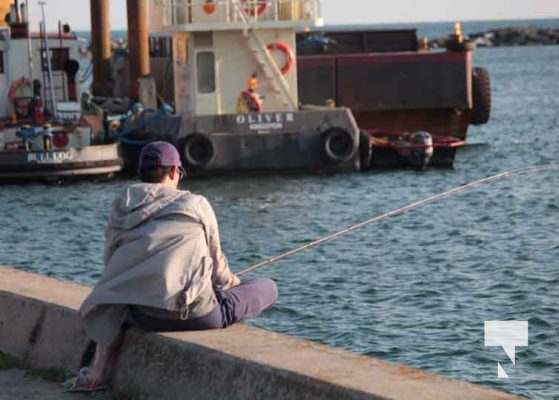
{"points": [[394, 83]]}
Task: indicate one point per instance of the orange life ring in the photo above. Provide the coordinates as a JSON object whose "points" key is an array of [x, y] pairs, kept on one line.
{"points": [[253, 101], [16, 85], [254, 9], [209, 7], [286, 50]]}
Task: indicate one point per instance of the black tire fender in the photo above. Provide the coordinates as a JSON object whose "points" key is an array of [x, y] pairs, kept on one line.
{"points": [[339, 145], [481, 96], [365, 150], [198, 150]]}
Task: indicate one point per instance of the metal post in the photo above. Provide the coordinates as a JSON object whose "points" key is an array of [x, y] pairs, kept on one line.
{"points": [[52, 98], [138, 42], [16, 5], [101, 47], [29, 47]]}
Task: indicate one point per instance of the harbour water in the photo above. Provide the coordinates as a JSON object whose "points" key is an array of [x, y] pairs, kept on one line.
{"points": [[414, 288]]}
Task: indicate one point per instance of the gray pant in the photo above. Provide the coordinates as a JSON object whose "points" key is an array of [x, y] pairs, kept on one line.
{"points": [[244, 301]]}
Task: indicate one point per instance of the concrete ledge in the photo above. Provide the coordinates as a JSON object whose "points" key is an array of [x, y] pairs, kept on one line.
{"points": [[39, 323]]}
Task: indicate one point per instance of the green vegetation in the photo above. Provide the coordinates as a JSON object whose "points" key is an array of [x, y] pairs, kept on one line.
{"points": [[9, 362], [47, 374]]}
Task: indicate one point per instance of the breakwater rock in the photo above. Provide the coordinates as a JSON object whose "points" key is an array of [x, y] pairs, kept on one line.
{"points": [[513, 36]]}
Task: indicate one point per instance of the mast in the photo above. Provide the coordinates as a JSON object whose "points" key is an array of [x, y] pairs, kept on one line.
{"points": [[29, 47], [49, 66]]}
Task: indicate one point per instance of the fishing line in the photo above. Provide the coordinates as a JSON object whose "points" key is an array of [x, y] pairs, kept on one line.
{"points": [[400, 210]]}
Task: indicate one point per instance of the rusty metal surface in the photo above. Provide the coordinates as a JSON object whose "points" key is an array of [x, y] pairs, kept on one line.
{"points": [[101, 46], [400, 91], [138, 33], [386, 81], [404, 81], [371, 82]]}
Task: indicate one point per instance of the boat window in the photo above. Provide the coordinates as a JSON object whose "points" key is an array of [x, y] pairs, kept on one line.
{"points": [[205, 68], [1, 62]]}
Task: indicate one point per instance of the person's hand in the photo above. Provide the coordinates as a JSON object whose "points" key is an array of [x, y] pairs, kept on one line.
{"points": [[235, 281]]}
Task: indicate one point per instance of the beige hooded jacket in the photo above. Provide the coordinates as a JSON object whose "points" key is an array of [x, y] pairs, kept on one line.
{"points": [[162, 250]]}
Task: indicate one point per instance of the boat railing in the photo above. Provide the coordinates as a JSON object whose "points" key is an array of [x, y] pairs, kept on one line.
{"points": [[225, 14]]}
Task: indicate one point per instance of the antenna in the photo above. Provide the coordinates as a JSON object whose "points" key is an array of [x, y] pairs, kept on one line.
{"points": [[49, 66], [29, 47]]}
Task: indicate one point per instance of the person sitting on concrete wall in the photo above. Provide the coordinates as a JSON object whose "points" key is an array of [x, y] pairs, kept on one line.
{"points": [[164, 267]]}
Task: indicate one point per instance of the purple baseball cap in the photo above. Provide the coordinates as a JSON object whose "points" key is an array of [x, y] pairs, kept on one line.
{"points": [[159, 154]]}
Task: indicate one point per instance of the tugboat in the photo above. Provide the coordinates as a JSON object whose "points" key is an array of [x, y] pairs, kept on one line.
{"points": [[228, 69], [43, 132], [197, 56]]}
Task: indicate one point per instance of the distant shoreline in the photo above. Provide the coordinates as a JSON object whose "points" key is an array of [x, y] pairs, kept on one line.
{"points": [[508, 37], [485, 33], [468, 26]]}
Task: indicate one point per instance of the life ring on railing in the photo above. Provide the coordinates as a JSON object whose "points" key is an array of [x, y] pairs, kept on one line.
{"points": [[338, 144], [199, 150], [287, 51], [12, 94], [209, 7], [254, 7], [253, 102]]}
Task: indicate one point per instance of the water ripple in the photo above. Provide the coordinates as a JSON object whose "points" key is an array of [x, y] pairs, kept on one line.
{"points": [[414, 288]]}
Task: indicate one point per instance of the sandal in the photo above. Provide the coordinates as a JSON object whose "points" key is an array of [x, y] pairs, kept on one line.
{"points": [[80, 383]]}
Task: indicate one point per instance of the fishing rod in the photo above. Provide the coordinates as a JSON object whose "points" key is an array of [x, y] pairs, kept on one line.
{"points": [[400, 210]]}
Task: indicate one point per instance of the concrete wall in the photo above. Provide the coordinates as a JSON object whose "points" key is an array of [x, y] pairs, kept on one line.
{"points": [[39, 323]]}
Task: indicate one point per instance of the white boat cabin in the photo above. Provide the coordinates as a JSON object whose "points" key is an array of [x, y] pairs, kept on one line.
{"points": [[37, 69], [231, 56]]}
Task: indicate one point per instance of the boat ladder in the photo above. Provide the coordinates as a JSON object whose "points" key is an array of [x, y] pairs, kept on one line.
{"points": [[264, 58]]}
